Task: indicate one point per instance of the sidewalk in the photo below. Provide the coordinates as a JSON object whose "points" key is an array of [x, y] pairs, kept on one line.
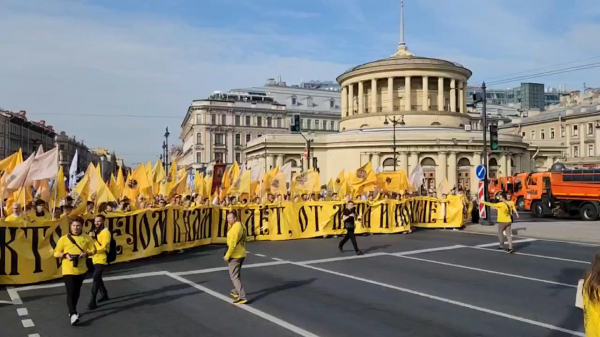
{"points": [[575, 231]]}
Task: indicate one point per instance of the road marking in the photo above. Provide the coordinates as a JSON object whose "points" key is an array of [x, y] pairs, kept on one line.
{"points": [[496, 243], [247, 308], [276, 259], [110, 278], [446, 300], [212, 270], [33, 335], [488, 271], [342, 258], [467, 231], [22, 312], [261, 255], [6, 302], [411, 252], [14, 295], [534, 255], [27, 323]]}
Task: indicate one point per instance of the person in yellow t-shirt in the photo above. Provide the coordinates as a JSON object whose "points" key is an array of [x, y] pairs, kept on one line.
{"points": [[235, 255], [505, 208], [39, 213], [591, 299], [101, 237], [73, 249], [17, 213]]}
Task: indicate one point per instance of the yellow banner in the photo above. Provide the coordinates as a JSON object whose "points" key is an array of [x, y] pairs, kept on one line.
{"points": [[26, 249]]}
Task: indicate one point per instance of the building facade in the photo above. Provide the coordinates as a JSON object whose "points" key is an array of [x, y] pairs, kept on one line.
{"points": [[17, 132], [569, 134], [108, 163], [428, 100], [217, 129], [67, 146]]}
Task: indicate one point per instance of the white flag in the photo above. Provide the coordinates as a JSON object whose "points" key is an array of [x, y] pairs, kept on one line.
{"points": [[416, 177], [255, 172], [16, 179], [73, 171], [287, 170], [43, 166]]}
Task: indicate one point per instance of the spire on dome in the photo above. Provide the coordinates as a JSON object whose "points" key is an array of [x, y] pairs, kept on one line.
{"points": [[402, 50]]}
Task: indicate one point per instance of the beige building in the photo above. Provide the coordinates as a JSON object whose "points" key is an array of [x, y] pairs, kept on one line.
{"points": [[427, 97], [567, 133], [18, 132], [218, 128]]}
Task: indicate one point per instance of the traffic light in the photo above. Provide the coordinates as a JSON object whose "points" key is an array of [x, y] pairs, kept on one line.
{"points": [[295, 127], [494, 137]]}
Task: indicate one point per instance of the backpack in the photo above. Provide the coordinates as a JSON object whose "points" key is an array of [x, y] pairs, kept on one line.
{"points": [[111, 256]]}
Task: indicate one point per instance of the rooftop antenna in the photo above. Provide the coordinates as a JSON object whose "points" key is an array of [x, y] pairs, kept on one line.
{"points": [[402, 50]]}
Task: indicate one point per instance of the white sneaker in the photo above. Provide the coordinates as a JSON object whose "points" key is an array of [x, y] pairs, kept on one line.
{"points": [[74, 319]]}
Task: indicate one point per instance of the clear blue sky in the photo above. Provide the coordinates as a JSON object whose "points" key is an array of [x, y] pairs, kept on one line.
{"points": [[151, 57]]}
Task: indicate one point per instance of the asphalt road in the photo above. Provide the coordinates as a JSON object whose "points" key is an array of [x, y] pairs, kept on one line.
{"points": [[428, 283]]}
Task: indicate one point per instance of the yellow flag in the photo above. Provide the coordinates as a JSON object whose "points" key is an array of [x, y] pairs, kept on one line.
{"points": [[305, 182], [129, 191], [103, 195], [8, 164], [344, 189], [277, 184], [158, 177], [363, 176], [177, 188], [230, 176], [150, 176], [241, 185], [393, 181], [207, 186], [139, 181], [80, 195], [120, 181], [114, 187], [199, 183]]}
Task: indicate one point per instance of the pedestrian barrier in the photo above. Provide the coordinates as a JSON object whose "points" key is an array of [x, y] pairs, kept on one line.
{"points": [[26, 248]]}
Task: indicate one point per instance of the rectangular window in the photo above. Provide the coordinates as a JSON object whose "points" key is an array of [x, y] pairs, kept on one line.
{"points": [[248, 138], [259, 121], [308, 124], [198, 119], [219, 139], [575, 131], [237, 120], [523, 134], [199, 138], [332, 104], [562, 131], [542, 134], [248, 121], [551, 133], [278, 122], [590, 128], [213, 119], [332, 124], [317, 124], [259, 135], [198, 157], [269, 121], [223, 119], [219, 157], [294, 101], [575, 151], [238, 139], [238, 157], [532, 134], [590, 150]]}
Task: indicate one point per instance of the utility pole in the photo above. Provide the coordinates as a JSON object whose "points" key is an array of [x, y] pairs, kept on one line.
{"points": [[395, 121], [485, 151]]}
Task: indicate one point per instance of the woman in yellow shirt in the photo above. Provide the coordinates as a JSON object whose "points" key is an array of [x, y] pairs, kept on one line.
{"points": [[505, 208], [101, 237], [73, 249], [591, 300]]}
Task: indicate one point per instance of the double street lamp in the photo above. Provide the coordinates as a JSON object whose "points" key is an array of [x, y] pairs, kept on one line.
{"points": [[166, 149], [395, 121]]}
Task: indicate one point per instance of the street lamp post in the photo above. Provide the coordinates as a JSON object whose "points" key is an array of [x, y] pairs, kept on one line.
{"points": [[395, 121], [166, 145], [308, 141]]}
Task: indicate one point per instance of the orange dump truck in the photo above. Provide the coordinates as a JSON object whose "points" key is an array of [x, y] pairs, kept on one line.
{"points": [[499, 185], [569, 192]]}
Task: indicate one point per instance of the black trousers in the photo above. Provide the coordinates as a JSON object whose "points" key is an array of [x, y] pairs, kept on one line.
{"points": [[73, 284], [349, 236], [98, 285]]}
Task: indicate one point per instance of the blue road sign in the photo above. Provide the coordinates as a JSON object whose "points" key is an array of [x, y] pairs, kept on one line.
{"points": [[480, 172]]}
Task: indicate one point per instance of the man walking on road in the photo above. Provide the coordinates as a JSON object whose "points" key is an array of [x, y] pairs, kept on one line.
{"points": [[236, 252], [505, 208], [349, 217]]}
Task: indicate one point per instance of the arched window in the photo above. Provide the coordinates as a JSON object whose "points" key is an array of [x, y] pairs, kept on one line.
{"points": [[493, 162], [388, 165], [436, 123], [464, 163], [427, 162]]}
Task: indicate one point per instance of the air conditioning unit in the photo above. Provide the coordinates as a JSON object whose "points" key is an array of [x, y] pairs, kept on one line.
{"points": [[467, 127]]}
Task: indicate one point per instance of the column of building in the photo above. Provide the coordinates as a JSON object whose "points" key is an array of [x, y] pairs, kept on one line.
{"points": [[582, 135], [453, 95], [517, 158], [503, 165], [413, 161], [373, 108], [361, 97], [508, 164], [404, 162], [390, 94], [344, 102], [440, 97], [376, 160], [425, 103], [351, 98], [280, 160], [442, 166], [452, 169], [461, 96], [407, 102]]}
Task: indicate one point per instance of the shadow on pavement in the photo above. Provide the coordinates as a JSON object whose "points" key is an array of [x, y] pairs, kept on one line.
{"points": [[373, 248], [260, 294]]}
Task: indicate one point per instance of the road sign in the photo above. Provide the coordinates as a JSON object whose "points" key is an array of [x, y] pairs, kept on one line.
{"points": [[481, 197], [305, 153], [480, 172]]}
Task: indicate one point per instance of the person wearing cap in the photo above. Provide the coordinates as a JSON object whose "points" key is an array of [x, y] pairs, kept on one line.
{"points": [[17, 213]]}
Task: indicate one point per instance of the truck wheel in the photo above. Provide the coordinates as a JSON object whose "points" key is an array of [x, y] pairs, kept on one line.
{"points": [[588, 212], [521, 204], [537, 209]]}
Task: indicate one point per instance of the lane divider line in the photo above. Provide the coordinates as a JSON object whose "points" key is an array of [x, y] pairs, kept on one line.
{"points": [[496, 243], [534, 255]]}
